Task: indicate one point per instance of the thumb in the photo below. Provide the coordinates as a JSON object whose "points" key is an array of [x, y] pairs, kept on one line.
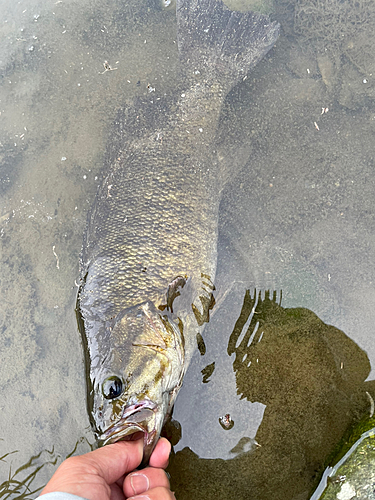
{"points": [[79, 474], [114, 460]]}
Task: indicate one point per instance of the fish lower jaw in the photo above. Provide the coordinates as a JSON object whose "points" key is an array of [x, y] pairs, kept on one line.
{"points": [[132, 432], [139, 417], [128, 432]]}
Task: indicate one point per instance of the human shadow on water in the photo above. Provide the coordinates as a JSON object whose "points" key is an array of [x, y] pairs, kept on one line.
{"points": [[311, 379]]}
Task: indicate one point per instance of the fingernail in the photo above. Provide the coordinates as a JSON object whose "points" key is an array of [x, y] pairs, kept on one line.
{"points": [[141, 497], [139, 483]]}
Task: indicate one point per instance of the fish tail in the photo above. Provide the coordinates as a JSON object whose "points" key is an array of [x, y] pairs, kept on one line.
{"points": [[220, 43]]}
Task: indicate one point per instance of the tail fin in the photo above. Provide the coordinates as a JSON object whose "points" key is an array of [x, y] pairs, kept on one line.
{"points": [[222, 44]]}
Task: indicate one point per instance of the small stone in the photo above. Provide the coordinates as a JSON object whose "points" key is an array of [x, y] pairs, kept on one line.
{"points": [[347, 492]]}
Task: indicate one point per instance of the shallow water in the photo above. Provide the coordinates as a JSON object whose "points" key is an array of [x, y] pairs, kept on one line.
{"points": [[298, 219]]}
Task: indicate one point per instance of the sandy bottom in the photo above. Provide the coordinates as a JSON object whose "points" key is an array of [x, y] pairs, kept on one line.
{"points": [[298, 219]]}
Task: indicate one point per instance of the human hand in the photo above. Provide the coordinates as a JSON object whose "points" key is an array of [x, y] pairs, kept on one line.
{"points": [[104, 474]]}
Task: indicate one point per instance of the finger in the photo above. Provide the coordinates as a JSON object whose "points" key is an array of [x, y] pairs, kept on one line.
{"points": [[160, 455], [117, 459], [141, 481], [90, 475], [155, 494], [116, 492], [112, 461], [120, 481]]}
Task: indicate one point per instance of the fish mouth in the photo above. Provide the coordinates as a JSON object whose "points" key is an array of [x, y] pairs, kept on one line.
{"points": [[138, 418]]}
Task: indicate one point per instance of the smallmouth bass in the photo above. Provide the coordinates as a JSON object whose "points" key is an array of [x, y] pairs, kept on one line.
{"points": [[149, 253]]}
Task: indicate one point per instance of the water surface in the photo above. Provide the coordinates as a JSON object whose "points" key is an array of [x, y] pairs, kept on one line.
{"points": [[299, 219]]}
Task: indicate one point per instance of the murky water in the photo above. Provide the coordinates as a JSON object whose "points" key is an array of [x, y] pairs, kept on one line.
{"points": [[298, 220]]}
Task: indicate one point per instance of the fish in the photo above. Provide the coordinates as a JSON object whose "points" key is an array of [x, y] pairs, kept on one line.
{"points": [[149, 253]]}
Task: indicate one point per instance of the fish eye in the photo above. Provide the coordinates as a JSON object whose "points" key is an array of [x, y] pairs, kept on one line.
{"points": [[112, 387]]}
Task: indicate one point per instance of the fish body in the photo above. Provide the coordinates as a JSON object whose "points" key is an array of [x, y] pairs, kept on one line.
{"points": [[149, 254]]}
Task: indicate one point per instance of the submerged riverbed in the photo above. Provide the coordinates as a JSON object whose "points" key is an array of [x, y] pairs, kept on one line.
{"points": [[298, 220]]}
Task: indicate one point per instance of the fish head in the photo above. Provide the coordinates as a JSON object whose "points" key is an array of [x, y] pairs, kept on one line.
{"points": [[135, 385]]}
